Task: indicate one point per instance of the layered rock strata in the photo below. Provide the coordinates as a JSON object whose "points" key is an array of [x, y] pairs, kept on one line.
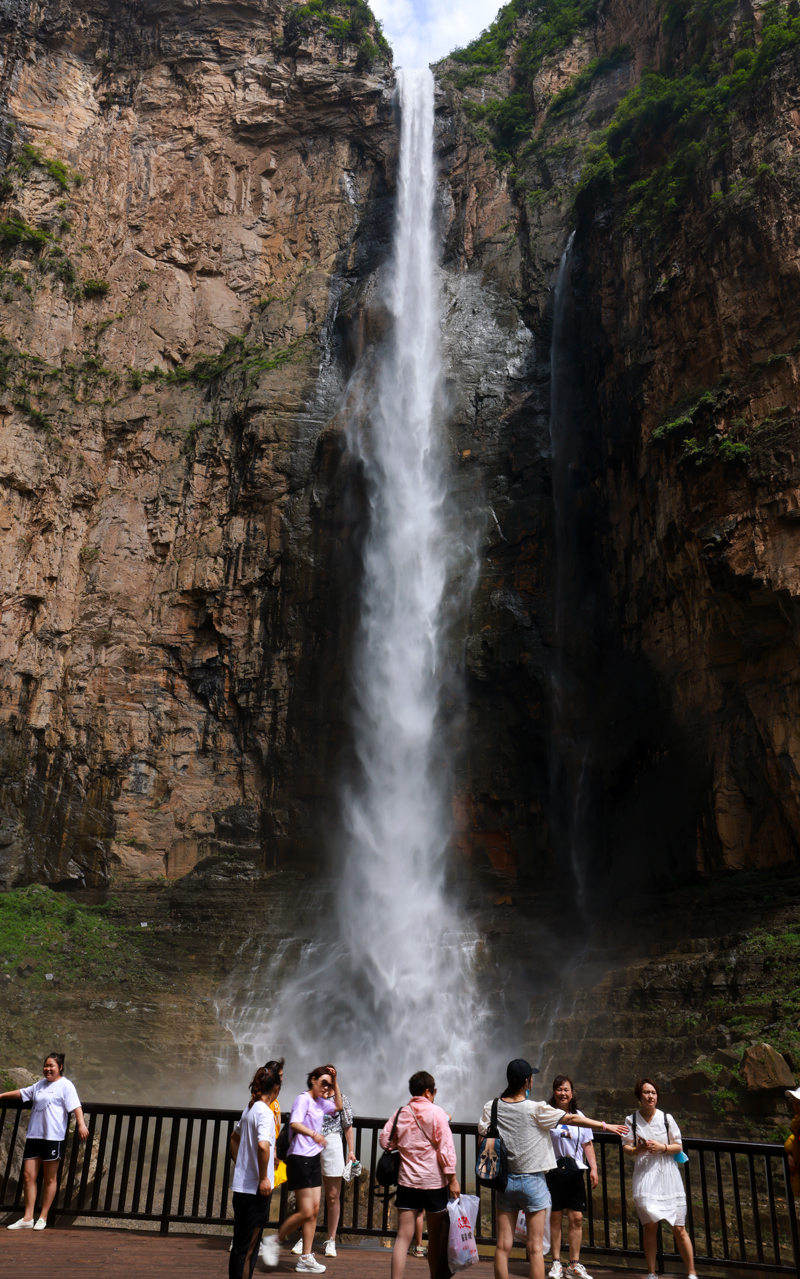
{"points": [[190, 193]]}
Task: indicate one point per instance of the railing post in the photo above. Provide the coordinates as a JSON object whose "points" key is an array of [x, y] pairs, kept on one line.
{"points": [[787, 1181], [170, 1181]]}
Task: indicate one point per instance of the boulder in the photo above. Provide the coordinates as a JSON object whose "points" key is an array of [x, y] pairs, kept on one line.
{"points": [[696, 1080], [765, 1069], [730, 1057], [22, 1077], [26, 968]]}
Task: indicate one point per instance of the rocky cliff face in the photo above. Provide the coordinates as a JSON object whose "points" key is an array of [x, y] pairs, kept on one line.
{"points": [[667, 699], [197, 206], [190, 190]]}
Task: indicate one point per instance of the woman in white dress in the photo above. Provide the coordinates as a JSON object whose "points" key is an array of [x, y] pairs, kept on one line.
{"points": [[658, 1193]]}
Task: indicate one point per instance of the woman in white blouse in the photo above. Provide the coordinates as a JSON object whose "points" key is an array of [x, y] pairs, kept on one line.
{"points": [[54, 1100], [657, 1185], [525, 1128]]}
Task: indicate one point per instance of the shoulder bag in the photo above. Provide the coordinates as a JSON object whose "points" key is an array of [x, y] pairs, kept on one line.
{"points": [[491, 1169], [388, 1167], [680, 1156]]}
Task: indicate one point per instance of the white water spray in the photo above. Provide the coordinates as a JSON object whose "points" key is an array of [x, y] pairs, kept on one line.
{"points": [[390, 991]]}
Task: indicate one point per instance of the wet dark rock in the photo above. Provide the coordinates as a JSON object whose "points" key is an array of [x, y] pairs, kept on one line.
{"points": [[764, 1069]]}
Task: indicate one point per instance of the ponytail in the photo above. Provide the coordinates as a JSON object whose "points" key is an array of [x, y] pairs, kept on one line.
{"points": [[263, 1081]]}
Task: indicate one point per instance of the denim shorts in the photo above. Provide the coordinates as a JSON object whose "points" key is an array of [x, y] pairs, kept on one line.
{"points": [[527, 1193]]}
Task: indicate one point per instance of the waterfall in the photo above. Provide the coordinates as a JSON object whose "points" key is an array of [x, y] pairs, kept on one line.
{"points": [[386, 988], [570, 745]]}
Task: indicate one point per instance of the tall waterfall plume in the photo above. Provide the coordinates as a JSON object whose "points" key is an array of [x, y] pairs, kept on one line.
{"points": [[388, 989]]}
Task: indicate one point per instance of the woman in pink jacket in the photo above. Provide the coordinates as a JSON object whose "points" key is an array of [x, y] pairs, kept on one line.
{"points": [[427, 1176]]}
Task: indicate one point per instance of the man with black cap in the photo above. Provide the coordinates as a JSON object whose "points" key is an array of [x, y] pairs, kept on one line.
{"points": [[525, 1126]]}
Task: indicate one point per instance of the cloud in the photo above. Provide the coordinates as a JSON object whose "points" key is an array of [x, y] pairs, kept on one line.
{"points": [[422, 31]]}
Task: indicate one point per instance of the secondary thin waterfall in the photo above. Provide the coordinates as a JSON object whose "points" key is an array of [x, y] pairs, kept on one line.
{"points": [[388, 989], [570, 745]]}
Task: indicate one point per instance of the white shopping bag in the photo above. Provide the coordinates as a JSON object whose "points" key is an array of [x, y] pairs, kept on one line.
{"points": [[462, 1251]]}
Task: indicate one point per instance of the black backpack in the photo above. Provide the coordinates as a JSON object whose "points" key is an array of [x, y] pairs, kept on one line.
{"points": [[283, 1143], [491, 1169]]}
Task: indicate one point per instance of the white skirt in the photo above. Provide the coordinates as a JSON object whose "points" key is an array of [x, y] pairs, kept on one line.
{"points": [[332, 1156], [658, 1193]]}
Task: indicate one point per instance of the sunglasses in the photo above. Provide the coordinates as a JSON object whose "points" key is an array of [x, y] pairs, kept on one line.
{"points": [[325, 1083]]}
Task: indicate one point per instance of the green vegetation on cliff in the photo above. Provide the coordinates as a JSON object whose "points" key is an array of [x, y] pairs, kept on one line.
{"points": [[672, 126], [50, 933], [350, 20], [541, 30], [677, 120]]}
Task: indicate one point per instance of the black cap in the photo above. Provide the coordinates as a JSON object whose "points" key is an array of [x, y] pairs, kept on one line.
{"points": [[519, 1068]]}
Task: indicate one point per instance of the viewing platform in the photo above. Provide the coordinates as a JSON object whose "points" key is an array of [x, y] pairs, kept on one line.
{"points": [[96, 1253], [155, 1170]]}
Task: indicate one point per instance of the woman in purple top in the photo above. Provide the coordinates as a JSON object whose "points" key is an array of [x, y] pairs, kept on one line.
{"points": [[304, 1174]]}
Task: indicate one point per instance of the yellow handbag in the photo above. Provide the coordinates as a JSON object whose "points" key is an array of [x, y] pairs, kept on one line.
{"points": [[280, 1167]]}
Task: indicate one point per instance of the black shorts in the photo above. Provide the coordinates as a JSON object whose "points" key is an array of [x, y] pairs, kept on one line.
{"points": [[567, 1188], [43, 1148], [422, 1200], [303, 1172]]}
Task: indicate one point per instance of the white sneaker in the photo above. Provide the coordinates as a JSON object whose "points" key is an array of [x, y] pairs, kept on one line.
{"points": [[308, 1265], [330, 1248], [270, 1251], [556, 1271], [298, 1248], [22, 1224], [41, 1224], [576, 1270]]}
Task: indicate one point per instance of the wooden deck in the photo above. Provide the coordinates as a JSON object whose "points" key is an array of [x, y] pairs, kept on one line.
{"points": [[94, 1253]]}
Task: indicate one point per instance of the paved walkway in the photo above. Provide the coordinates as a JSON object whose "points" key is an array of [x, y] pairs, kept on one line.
{"points": [[99, 1254]]}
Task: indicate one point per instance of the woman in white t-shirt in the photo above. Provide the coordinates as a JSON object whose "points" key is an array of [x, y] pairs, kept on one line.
{"points": [[574, 1152], [253, 1148], [657, 1185], [525, 1128], [54, 1100]]}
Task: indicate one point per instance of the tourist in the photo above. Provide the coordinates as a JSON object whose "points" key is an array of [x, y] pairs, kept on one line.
{"points": [[574, 1151], [657, 1185], [253, 1148], [303, 1160], [792, 1142], [54, 1099], [525, 1127], [276, 1067], [427, 1177], [336, 1129]]}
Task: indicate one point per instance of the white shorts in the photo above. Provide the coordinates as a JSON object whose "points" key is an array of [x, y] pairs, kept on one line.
{"points": [[333, 1156]]}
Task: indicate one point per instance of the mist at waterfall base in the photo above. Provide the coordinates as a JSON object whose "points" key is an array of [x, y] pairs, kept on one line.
{"points": [[385, 986]]}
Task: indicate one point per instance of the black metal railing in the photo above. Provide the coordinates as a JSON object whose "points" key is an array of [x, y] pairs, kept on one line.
{"points": [[170, 1165]]}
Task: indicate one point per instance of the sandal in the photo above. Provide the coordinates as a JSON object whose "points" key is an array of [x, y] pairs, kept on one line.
{"points": [[418, 1251]]}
